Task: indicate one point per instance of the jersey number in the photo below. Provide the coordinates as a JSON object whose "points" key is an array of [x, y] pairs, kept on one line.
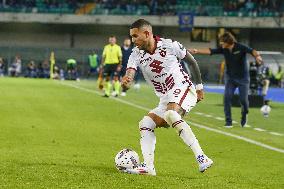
{"points": [[156, 66]]}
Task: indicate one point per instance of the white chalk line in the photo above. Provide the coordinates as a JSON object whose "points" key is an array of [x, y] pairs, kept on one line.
{"points": [[247, 126], [192, 123]]}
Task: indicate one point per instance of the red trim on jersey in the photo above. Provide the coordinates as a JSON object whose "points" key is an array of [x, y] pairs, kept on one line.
{"points": [[130, 68], [157, 38], [183, 97], [142, 170], [176, 123], [146, 129]]}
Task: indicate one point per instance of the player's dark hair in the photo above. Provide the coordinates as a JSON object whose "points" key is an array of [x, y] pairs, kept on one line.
{"points": [[140, 23], [112, 36], [227, 37]]}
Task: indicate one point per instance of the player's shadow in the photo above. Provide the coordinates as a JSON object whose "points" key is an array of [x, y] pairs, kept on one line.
{"points": [[171, 175], [185, 177]]}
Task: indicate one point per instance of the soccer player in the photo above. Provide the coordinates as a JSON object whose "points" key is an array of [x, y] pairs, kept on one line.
{"points": [[111, 60], [126, 50], [236, 74], [159, 60]]}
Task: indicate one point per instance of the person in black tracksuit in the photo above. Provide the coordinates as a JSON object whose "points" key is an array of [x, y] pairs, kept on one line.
{"points": [[236, 72]]}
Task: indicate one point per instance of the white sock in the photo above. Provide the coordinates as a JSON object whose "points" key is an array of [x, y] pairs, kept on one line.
{"points": [[189, 138], [184, 131], [147, 140]]}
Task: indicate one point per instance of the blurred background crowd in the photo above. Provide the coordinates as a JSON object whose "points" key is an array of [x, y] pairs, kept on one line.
{"points": [[149, 7]]}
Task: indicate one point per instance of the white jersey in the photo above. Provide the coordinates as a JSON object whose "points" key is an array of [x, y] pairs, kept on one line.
{"points": [[162, 69]]}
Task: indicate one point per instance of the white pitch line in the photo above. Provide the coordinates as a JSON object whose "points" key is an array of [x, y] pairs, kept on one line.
{"points": [[238, 137], [208, 115], [199, 113], [220, 118], [275, 133], [195, 124], [259, 129], [247, 126]]}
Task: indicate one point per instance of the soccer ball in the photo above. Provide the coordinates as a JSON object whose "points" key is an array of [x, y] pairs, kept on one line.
{"points": [[265, 110], [125, 159], [137, 86]]}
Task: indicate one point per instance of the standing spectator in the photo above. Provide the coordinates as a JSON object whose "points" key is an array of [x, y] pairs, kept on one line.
{"points": [[111, 60], [126, 51], [236, 73], [2, 67], [16, 68]]}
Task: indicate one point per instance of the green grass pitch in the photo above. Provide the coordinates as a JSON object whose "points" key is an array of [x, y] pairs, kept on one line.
{"points": [[53, 135]]}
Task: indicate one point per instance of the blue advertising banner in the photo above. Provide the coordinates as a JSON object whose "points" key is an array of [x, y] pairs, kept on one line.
{"points": [[186, 21]]}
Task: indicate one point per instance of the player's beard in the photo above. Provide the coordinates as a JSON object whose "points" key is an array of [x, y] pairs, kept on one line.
{"points": [[144, 46]]}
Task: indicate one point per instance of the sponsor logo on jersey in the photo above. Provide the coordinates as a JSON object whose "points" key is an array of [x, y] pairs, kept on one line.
{"points": [[146, 60], [156, 66], [163, 52]]}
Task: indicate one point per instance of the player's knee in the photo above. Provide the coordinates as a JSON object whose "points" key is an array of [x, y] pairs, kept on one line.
{"points": [[147, 124], [171, 117]]}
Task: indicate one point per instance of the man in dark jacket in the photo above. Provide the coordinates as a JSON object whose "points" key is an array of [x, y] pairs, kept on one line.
{"points": [[236, 73]]}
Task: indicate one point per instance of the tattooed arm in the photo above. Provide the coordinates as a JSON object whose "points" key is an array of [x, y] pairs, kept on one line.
{"points": [[128, 78], [194, 68], [195, 71]]}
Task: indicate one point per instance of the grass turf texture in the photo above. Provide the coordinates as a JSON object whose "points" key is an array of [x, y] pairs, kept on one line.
{"points": [[55, 136]]}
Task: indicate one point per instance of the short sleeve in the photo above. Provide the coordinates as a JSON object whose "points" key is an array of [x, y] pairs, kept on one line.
{"points": [[216, 51], [246, 48], [179, 50], [132, 61], [119, 51]]}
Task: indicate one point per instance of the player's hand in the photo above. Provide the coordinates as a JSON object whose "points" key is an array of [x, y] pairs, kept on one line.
{"points": [[192, 51], [118, 69], [200, 95], [126, 82]]}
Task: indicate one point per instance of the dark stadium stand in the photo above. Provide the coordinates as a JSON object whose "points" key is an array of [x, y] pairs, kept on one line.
{"points": [[240, 8]]}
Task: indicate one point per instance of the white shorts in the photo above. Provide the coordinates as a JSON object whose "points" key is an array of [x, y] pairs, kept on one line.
{"points": [[183, 95]]}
